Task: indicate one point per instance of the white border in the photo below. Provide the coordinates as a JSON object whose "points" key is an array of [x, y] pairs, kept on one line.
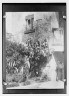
{"points": [[33, 1]]}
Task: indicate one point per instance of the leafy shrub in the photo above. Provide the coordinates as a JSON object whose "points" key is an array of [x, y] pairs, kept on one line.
{"points": [[15, 54]]}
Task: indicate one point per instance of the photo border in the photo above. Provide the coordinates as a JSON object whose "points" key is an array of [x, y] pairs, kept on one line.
{"points": [[32, 7]]}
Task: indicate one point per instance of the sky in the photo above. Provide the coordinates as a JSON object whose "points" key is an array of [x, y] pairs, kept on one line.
{"points": [[15, 21]]}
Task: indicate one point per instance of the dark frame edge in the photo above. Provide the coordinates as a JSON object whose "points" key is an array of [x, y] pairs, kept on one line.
{"points": [[30, 91]]}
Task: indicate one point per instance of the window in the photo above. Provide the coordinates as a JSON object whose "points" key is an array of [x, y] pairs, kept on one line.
{"points": [[28, 21]]}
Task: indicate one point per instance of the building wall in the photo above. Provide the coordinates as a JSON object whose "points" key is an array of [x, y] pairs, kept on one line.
{"points": [[16, 24], [44, 22], [46, 15]]}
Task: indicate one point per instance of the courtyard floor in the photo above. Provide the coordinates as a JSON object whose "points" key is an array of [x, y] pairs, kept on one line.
{"points": [[41, 85]]}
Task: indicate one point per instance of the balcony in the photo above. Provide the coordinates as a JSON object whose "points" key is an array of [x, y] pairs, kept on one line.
{"points": [[29, 31]]}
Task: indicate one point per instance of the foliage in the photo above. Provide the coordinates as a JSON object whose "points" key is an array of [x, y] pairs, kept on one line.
{"points": [[43, 29], [15, 57]]}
